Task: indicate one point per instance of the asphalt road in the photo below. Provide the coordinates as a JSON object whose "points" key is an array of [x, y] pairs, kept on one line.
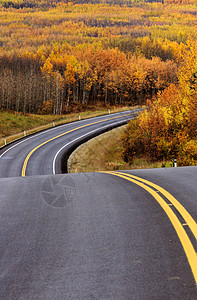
{"points": [[46, 158], [96, 235]]}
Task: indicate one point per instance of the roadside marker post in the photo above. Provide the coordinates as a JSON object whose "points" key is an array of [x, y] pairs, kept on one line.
{"points": [[25, 133], [5, 141], [79, 117], [175, 163], [53, 123], [109, 111]]}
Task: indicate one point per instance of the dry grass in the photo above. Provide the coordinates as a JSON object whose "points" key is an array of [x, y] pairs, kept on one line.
{"points": [[104, 153]]}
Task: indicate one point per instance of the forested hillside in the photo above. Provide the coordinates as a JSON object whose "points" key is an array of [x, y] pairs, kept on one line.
{"points": [[58, 54]]}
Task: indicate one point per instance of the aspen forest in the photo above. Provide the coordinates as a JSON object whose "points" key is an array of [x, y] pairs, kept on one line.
{"points": [[56, 55], [59, 56]]}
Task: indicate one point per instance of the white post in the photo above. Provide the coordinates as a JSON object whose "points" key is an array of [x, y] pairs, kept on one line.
{"points": [[109, 111], [79, 117], [5, 141], [53, 123], [24, 133], [175, 163]]}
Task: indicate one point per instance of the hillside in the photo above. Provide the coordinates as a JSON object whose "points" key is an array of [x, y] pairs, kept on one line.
{"points": [[56, 55]]}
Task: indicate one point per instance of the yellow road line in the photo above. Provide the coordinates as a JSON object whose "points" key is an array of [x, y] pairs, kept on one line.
{"points": [[186, 216], [23, 174], [185, 241]]}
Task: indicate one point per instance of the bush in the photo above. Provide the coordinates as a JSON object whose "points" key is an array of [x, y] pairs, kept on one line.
{"points": [[188, 155]]}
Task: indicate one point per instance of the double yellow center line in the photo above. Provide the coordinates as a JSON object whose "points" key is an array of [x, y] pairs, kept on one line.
{"points": [[167, 207], [24, 167]]}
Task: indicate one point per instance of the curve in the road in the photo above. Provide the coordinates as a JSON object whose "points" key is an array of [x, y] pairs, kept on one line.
{"points": [[44, 153], [74, 141], [23, 174], [178, 226]]}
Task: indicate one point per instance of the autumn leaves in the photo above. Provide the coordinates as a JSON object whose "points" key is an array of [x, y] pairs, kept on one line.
{"points": [[88, 74], [168, 128], [56, 55]]}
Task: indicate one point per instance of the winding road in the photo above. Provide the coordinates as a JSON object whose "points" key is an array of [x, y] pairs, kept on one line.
{"points": [[105, 235]]}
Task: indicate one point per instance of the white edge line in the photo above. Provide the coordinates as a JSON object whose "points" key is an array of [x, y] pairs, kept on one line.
{"points": [[55, 157], [29, 138], [38, 134]]}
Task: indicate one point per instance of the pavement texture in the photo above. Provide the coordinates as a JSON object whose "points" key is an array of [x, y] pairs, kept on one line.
{"points": [[93, 236]]}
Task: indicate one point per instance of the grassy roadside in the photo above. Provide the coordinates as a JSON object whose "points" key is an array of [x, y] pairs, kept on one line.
{"points": [[12, 125], [104, 153]]}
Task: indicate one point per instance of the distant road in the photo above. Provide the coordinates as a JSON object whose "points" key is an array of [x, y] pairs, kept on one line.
{"points": [[41, 153], [109, 235]]}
